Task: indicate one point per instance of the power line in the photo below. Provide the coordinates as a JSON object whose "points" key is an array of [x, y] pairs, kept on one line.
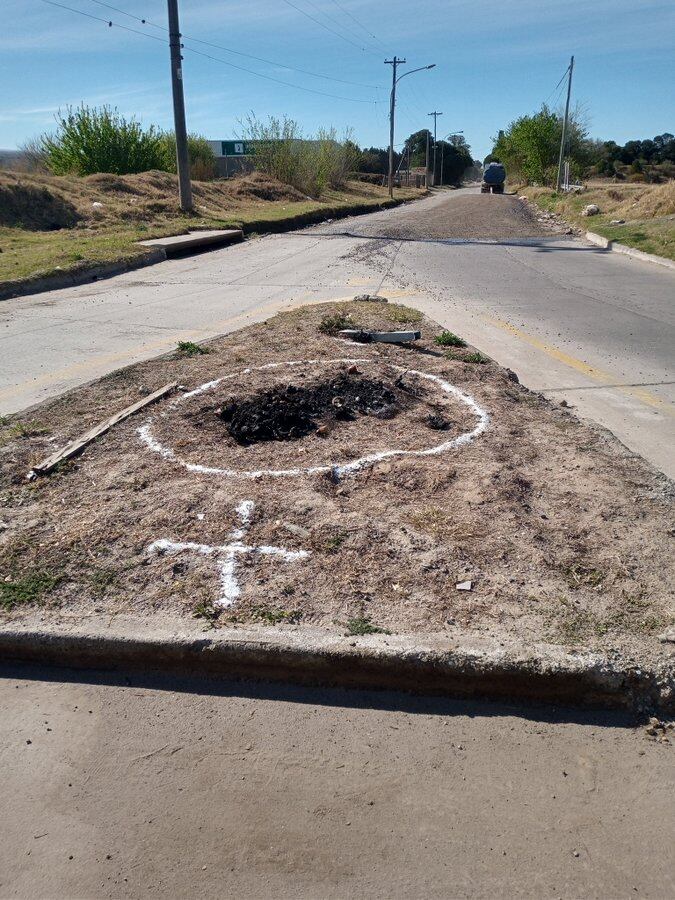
{"points": [[195, 40], [328, 28], [337, 22], [360, 24], [564, 76], [278, 80], [105, 21], [290, 84]]}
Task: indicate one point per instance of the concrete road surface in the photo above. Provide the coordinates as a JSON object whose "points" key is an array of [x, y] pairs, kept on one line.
{"points": [[575, 322], [166, 789]]}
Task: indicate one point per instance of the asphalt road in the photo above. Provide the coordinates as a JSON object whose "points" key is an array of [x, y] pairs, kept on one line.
{"points": [[575, 322], [136, 788]]}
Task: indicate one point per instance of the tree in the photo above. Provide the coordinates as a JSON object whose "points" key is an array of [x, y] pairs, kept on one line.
{"points": [[529, 146]]}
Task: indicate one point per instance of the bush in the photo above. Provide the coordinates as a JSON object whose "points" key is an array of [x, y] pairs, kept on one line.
{"points": [[202, 157], [90, 140], [309, 164]]}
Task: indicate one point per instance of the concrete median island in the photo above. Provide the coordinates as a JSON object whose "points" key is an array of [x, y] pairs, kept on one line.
{"points": [[308, 508]]}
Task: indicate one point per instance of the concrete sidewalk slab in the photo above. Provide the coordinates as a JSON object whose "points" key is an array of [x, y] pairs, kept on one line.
{"points": [[194, 240]]}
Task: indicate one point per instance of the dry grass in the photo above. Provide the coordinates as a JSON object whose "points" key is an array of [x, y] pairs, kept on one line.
{"points": [[648, 210], [64, 223]]}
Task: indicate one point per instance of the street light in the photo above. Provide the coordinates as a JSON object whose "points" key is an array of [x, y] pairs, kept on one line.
{"points": [[392, 106]]}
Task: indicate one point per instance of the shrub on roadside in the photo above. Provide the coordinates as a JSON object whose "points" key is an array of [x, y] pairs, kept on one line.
{"points": [[309, 164], [89, 140], [202, 157]]}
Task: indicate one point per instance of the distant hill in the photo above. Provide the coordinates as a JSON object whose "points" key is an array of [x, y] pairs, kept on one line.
{"points": [[8, 158]]}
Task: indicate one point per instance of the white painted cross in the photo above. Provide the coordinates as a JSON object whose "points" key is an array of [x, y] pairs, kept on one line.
{"points": [[227, 554]]}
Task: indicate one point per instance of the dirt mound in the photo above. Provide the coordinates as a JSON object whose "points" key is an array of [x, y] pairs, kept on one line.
{"points": [[290, 412], [34, 207], [258, 186], [110, 184]]}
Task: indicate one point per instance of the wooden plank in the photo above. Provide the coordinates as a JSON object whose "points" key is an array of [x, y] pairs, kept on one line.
{"points": [[78, 445]]}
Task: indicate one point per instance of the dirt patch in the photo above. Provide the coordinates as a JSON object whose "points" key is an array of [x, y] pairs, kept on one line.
{"points": [[564, 535]]}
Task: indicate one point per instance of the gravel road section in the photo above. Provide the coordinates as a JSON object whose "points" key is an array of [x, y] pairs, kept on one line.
{"points": [[468, 217]]}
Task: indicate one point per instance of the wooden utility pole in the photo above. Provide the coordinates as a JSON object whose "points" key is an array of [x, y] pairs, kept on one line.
{"points": [[563, 140], [182, 156], [435, 114]]}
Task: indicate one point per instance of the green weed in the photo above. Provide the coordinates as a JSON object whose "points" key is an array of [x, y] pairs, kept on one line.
{"points": [[271, 615], [102, 579], [364, 625], [449, 339], [332, 325], [29, 589], [205, 609], [578, 576], [333, 543], [189, 348]]}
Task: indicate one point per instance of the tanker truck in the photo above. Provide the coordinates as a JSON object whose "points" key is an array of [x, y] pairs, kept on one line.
{"points": [[494, 176]]}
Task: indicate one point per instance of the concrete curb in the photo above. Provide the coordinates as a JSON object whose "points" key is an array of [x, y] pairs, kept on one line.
{"points": [[607, 244], [11, 289], [429, 664]]}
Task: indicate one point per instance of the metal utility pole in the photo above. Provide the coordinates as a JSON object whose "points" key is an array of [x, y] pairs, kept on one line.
{"points": [[395, 62], [435, 115], [182, 157], [563, 140]]}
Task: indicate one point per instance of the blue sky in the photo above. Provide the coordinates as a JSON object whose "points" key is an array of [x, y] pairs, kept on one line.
{"points": [[495, 60]]}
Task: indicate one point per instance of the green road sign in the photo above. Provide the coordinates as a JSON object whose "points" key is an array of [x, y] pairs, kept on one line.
{"points": [[236, 148]]}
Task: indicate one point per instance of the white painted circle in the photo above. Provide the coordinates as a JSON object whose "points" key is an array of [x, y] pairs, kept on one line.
{"points": [[146, 436]]}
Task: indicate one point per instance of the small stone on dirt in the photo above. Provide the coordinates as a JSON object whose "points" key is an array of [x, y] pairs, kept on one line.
{"points": [[668, 636], [464, 585]]}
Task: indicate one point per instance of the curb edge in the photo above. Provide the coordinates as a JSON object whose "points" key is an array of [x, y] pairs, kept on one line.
{"points": [[432, 665]]}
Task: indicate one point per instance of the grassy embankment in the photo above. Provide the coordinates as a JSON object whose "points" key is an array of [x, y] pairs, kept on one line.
{"points": [[648, 210], [51, 225]]}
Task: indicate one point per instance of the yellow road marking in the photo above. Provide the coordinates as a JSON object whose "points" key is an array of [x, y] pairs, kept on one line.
{"points": [[592, 372]]}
